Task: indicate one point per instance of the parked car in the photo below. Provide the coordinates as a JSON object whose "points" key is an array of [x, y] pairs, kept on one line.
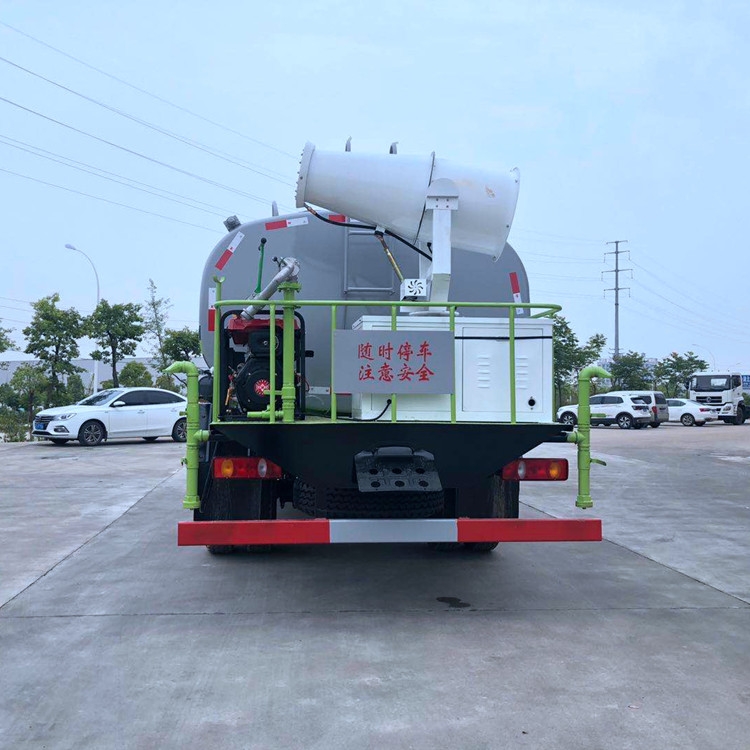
{"points": [[623, 410], [691, 412], [148, 413], [656, 401]]}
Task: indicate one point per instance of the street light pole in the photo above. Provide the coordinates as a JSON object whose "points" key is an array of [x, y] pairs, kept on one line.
{"points": [[713, 359], [96, 361]]}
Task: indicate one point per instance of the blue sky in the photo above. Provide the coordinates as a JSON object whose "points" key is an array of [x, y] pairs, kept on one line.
{"points": [[626, 120]]}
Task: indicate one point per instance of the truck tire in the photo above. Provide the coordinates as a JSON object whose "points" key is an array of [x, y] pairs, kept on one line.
{"points": [[348, 502], [739, 417], [501, 502], [237, 500]]}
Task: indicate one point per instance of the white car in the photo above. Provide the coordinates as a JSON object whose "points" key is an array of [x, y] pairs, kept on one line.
{"points": [[147, 413], [691, 412], [623, 410]]}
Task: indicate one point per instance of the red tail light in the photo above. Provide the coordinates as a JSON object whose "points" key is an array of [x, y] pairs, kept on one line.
{"points": [[537, 470], [655, 410], [246, 468]]}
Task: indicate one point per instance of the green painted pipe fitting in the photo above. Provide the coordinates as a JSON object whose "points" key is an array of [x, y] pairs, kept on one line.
{"points": [[194, 434], [583, 439]]}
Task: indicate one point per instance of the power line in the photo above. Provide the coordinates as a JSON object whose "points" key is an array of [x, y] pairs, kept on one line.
{"points": [[11, 141], [112, 179], [170, 134], [106, 200], [569, 240], [149, 93], [136, 153]]}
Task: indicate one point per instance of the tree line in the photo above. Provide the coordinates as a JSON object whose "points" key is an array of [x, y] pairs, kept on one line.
{"points": [[116, 329], [630, 371]]}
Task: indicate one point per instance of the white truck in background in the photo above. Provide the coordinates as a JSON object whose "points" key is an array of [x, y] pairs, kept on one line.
{"points": [[722, 389]]}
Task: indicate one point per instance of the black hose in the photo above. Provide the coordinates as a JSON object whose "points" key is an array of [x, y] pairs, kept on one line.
{"points": [[371, 419], [367, 226]]}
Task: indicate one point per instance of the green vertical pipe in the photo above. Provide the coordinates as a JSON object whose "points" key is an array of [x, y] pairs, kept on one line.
{"points": [[583, 438], [394, 398], [334, 405], [512, 356], [195, 436], [216, 395], [287, 388], [272, 370], [452, 327]]}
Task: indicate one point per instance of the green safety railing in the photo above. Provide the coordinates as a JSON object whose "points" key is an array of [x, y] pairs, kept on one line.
{"points": [[581, 436], [290, 303]]}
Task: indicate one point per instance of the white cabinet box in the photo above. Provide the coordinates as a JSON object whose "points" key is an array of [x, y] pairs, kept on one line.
{"points": [[482, 365]]}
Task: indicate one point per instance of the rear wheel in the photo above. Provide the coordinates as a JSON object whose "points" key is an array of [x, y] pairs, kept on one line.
{"points": [[237, 500], [501, 502], [688, 420], [624, 421], [655, 424]]}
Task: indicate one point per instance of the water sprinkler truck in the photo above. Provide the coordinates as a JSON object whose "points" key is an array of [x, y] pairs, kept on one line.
{"points": [[385, 377]]}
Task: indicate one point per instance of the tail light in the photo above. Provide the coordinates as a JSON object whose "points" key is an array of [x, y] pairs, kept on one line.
{"points": [[244, 467], [655, 410], [537, 470]]}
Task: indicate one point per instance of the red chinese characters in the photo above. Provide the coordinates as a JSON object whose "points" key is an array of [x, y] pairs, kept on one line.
{"points": [[405, 367]]}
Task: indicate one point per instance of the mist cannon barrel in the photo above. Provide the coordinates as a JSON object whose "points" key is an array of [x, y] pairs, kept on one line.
{"points": [[390, 190]]}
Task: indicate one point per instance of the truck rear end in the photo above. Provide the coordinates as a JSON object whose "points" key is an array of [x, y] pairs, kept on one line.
{"points": [[341, 419]]}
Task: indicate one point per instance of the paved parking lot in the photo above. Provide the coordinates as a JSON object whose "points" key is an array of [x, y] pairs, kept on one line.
{"points": [[112, 637]]}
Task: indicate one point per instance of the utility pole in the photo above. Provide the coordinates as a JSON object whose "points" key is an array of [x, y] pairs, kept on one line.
{"points": [[616, 289]]}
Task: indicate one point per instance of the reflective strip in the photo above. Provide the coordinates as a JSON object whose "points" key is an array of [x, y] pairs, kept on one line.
{"points": [[284, 223], [227, 254], [529, 530], [211, 308], [428, 530], [515, 287], [193, 533], [322, 531]]}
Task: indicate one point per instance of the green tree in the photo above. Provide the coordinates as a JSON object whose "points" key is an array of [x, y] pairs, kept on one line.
{"points": [[155, 322], [51, 337], [117, 330], [671, 372], [570, 357], [5, 340], [181, 345], [74, 389], [135, 375], [12, 425], [165, 381], [30, 385], [630, 371]]}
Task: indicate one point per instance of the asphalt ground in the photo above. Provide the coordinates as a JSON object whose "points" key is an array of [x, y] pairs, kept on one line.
{"points": [[112, 637]]}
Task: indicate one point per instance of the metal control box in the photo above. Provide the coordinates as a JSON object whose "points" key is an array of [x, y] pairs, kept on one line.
{"points": [[482, 371]]}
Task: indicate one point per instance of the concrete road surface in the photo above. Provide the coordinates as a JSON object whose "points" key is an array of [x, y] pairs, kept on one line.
{"points": [[112, 637]]}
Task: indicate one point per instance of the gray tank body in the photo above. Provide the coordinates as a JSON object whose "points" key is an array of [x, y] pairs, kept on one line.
{"points": [[341, 263]]}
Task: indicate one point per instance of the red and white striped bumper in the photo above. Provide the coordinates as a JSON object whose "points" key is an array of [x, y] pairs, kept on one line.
{"points": [[323, 531]]}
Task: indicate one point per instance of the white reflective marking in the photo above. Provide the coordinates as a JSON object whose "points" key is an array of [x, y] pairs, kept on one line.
{"points": [[423, 530]]}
